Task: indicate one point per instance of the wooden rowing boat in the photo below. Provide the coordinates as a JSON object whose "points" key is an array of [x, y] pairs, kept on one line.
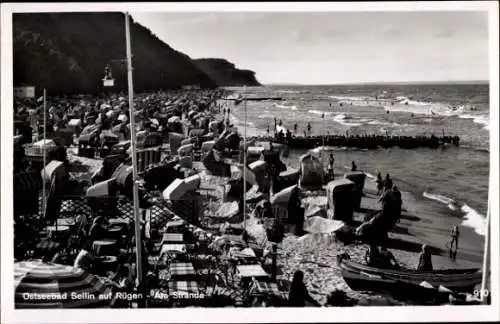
{"points": [[363, 277]]}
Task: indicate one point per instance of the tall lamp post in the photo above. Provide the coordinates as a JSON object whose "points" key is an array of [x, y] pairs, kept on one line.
{"points": [[137, 217]]}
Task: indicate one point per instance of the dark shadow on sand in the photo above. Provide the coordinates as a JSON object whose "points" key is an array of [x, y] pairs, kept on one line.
{"points": [[399, 244], [401, 230], [410, 217], [367, 210]]}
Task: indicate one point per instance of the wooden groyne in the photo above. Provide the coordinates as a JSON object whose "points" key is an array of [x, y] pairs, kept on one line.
{"points": [[363, 142]]}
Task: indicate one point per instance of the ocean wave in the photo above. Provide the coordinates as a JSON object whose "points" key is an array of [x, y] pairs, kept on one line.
{"points": [[266, 116], [478, 119], [320, 112], [349, 98], [442, 199], [429, 109], [235, 120], [341, 119], [472, 218], [371, 176], [281, 128], [289, 91], [384, 123], [292, 107]]}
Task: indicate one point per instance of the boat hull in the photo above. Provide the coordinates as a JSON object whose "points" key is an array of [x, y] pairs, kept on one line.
{"points": [[362, 277]]}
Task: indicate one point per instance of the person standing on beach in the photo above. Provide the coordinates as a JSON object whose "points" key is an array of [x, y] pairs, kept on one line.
{"points": [[455, 233], [330, 166], [354, 167], [388, 181], [308, 129], [425, 259], [380, 184], [295, 126], [298, 294]]}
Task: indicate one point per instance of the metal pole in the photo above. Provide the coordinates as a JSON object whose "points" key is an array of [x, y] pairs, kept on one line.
{"points": [[44, 202], [321, 152], [484, 289], [245, 163], [137, 218]]}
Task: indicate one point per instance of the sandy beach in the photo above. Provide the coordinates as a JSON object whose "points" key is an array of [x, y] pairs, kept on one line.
{"points": [[423, 221]]}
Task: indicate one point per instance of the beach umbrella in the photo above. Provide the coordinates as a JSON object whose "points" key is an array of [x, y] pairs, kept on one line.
{"points": [[320, 225], [48, 285], [247, 253], [237, 173], [173, 119], [425, 284], [443, 289], [283, 197]]}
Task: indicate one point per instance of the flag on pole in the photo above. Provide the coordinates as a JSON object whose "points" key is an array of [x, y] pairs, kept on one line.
{"points": [[40, 99]]}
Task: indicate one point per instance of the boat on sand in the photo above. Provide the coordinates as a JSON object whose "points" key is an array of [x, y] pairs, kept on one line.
{"points": [[407, 282]]}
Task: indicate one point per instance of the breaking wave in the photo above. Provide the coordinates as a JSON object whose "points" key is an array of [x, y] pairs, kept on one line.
{"points": [[291, 107], [478, 119], [472, 218]]}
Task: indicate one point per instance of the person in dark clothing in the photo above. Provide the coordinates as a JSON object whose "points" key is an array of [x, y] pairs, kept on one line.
{"points": [[372, 256], [330, 166], [380, 184], [308, 129], [295, 126], [298, 295], [398, 203], [354, 167], [455, 233], [97, 230], [388, 181], [388, 259], [425, 259]]}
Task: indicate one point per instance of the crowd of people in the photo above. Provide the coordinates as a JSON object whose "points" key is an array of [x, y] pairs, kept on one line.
{"points": [[100, 123]]}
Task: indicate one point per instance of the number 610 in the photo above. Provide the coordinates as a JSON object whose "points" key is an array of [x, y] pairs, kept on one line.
{"points": [[481, 293]]}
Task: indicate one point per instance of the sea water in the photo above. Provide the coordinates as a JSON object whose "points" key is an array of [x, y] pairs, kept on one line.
{"points": [[455, 176]]}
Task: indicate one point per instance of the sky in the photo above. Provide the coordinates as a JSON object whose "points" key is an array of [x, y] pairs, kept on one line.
{"points": [[334, 47]]}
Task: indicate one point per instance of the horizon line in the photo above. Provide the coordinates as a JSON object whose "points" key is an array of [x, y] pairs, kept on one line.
{"points": [[377, 83]]}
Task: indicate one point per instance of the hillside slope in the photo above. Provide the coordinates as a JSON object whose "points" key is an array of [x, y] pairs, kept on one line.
{"points": [[225, 73], [67, 53]]}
